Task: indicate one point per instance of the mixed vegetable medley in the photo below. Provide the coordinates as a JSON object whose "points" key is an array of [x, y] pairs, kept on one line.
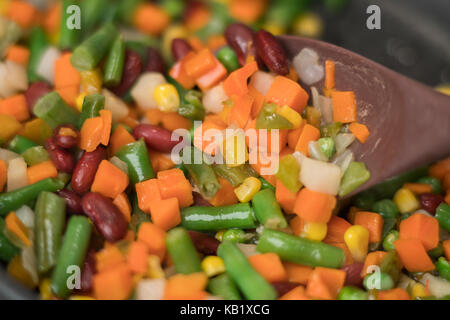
{"points": [[102, 194]]}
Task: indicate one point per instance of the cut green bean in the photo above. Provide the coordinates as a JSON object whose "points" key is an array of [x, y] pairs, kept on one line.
{"points": [[266, 184], [443, 268], [135, 155], [222, 286], [192, 108], [443, 216], [20, 144], [54, 111], [37, 44], [433, 182], [114, 63], [267, 209], [69, 32], [92, 104], [92, 12], [182, 251], [235, 175]]}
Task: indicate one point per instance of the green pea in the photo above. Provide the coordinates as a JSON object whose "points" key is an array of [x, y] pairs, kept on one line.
{"points": [[378, 280], [436, 252], [352, 293], [435, 184], [443, 267], [228, 58], [236, 235], [327, 146], [388, 242], [365, 200], [386, 207]]}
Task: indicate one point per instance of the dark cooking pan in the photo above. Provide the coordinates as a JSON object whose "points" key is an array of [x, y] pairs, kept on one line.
{"points": [[414, 40]]}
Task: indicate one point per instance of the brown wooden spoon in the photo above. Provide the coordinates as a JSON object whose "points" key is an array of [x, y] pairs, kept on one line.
{"points": [[409, 122]]}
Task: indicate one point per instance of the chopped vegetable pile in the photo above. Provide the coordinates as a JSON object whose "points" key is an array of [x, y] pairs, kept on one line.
{"points": [[196, 166]]}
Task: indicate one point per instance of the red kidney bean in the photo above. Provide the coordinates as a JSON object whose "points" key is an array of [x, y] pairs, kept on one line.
{"points": [[73, 201], [66, 141], [88, 271], [204, 243], [155, 62], [34, 92], [61, 158], [271, 51], [180, 48], [353, 274], [155, 137], [241, 39], [430, 201], [131, 69], [106, 217], [284, 287], [200, 201], [85, 170]]}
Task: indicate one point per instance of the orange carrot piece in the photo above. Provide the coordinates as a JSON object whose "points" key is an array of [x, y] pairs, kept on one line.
{"points": [[154, 237], [41, 171], [106, 117], [113, 284], [269, 266], [216, 42], [119, 138], [247, 11], [285, 197], [154, 116], [203, 140], [418, 188], [18, 54], [186, 287], [439, 169], [372, 259], [52, 18], [212, 77], [137, 258], [160, 161], [258, 100], [150, 19], [69, 94], [297, 225], [240, 113], [109, 180], [446, 246], [284, 91], [91, 134], [298, 273], [371, 221], [22, 13], [294, 135], [15, 106], [313, 206], [172, 121], [344, 106], [336, 229], [147, 191], [173, 183], [236, 82], [298, 293], [200, 63], [413, 255], [330, 70], [421, 227], [178, 73], [15, 226], [225, 196], [360, 131], [325, 283], [197, 17], [393, 294], [308, 134], [109, 257], [65, 74], [3, 174], [165, 213], [122, 202]]}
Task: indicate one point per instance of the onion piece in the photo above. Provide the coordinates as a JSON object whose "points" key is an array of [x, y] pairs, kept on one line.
{"points": [[46, 66], [7, 155], [315, 152], [142, 91], [248, 249], [150, 289], [437, 286], [17, 174], [118, 108], [17, 75], [28, 258], [324, 105], [318, 175], [214, 98], [343, 160], [262, 81], [6, 89], [26, 215], [306, 63], [343, 141]]}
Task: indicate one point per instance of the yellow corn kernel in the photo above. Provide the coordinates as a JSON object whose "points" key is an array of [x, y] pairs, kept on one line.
{"points": [[80, 100], [290, 114], [444, 88], [313, 116], [45, 289], [77, 297], [234, 149], [406, 201], [166, 97], [36, 130], [219, 235], [248, 189], [4, 7], [357, 240], [274, 28], [154, 270], [9, 126], [418, 291], [314, 231], [91, 81], [309, 25], [213, 265]]}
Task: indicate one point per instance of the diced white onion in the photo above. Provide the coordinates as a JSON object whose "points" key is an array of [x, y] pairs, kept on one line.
{"points": [[119, 164], [26, 215], [315, 152], [262, 81], [248, 249], [150, 289], [142, 91], [437, 286], [214, 98], [28, 258], [343, 160], [343, 141], [118, 108], [324, 105], [306, 63], [318, 175], [7, 155], [46, 67], [17, 75], [6, 89], [17, 174]]}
